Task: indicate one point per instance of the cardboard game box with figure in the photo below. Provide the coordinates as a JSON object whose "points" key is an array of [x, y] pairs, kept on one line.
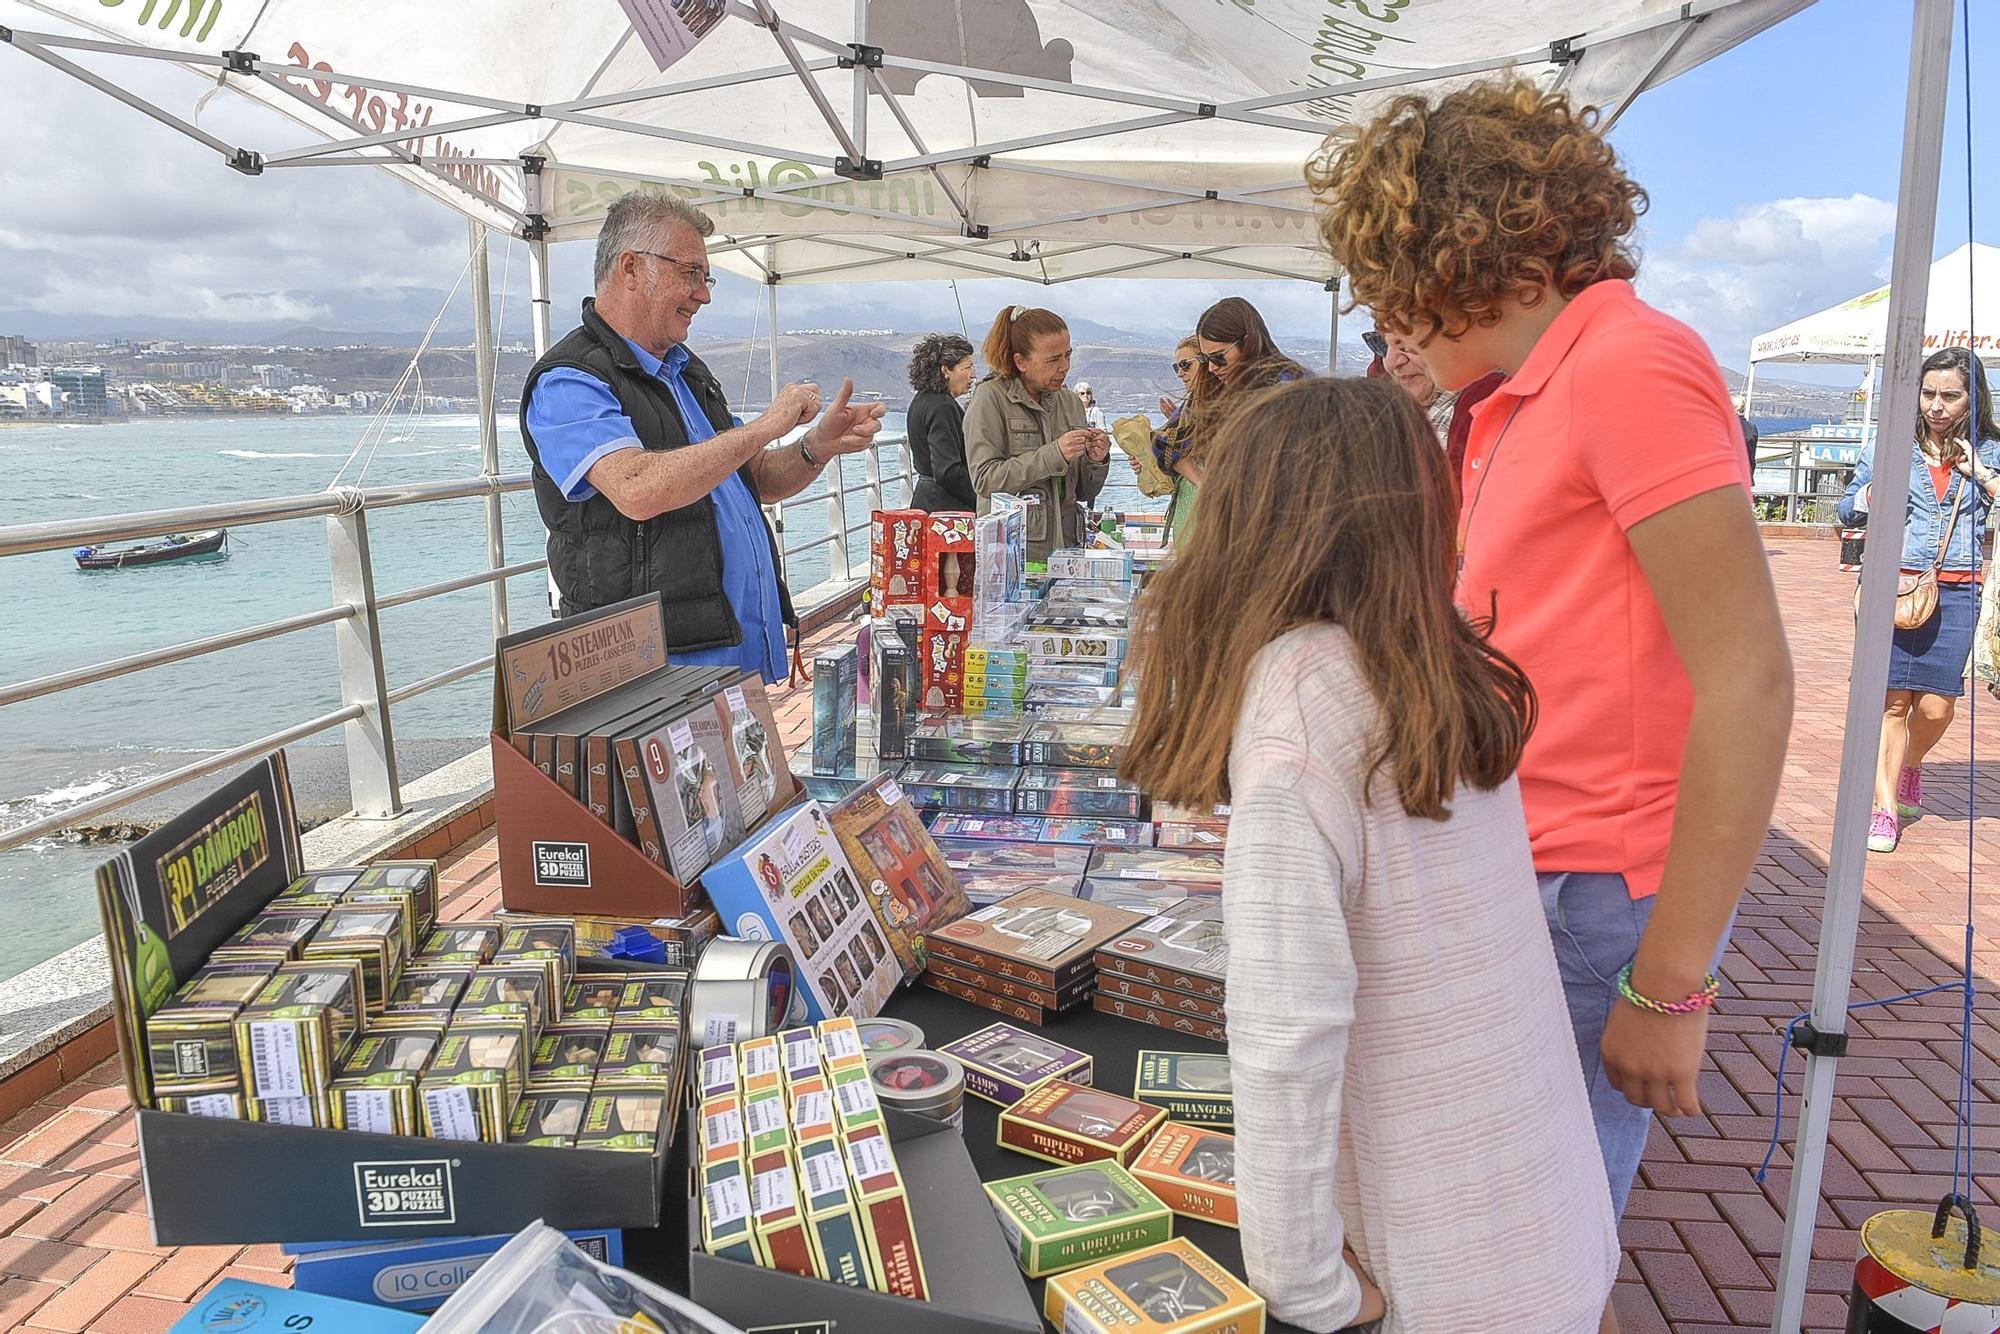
{"points": [[896, 558], [791, 881], [908, 884]]}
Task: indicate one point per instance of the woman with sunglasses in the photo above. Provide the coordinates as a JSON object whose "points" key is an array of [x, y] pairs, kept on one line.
{"points": [[1234, 354]]}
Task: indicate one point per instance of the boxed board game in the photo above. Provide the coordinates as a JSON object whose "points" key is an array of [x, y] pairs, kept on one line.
{"points": [[1192, 1169], [1151, 897], [791, 881], [680, 780], [475, 1079], [906, 881], [726, 1229], [420, 878], [1196, 837], [498, 990], [274, 936], [1097, 832], [948, 559], [941, 646], [836, 678], [1159, 998], [1034, 936], [959, 740], [896, 558], [1004, 1064], [756, 754], [1098, 793], [783, 1240], [566, 1056], [1061, 861], [1095, 565], [1174, 1021], [640, 1057], [627, 1120], [240, 1307], [1076, 645], [895, 1261], [546, 941], [840, 1252], [370, 933], [1063, 1122], [965, 788], [409, 1275], [681, 937], [376, 1089], [1193, 1087], [1052, 1000], [1073, 745], [466, 943], [1009, 828], [1064, 1217], [985, 887], [1072, 674], [897, 687], [1020, 1011], [1156, 864], [191, 1040], [1049, 696], [291, 1039], [1182, 950], [1172, 1289]]}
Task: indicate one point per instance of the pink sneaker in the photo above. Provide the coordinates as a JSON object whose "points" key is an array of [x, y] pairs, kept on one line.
{"points": [[1882, 832], [1910, 793]]}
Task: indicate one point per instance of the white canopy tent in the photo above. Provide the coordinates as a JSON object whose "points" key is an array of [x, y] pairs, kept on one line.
{"points": [[1856, 331], [836, 140], [1053, 140]]}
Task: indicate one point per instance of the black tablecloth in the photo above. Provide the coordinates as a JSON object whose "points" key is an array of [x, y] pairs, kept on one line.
{"points": [[1113, 1043]]}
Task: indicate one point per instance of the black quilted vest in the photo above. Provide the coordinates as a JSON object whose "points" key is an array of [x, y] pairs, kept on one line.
{"points": [[597, 554]]}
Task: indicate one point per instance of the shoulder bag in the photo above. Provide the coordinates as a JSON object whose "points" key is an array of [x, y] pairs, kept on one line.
{"points": [[1917, 594]]}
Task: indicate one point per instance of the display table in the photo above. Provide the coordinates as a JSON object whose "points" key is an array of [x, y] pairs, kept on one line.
{"points": [[1114, 1045]]}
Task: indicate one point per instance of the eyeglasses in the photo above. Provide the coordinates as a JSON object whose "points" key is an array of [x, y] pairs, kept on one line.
{"points": [[1181, 366], [1377, 342], [1215, 361], [694, 273]]}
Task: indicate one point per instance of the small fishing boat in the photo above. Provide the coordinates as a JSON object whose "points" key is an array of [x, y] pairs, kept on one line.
{"points": [[175, 546]]}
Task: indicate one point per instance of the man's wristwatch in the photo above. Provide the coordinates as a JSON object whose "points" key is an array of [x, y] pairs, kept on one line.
{"points": [[805, 452]]}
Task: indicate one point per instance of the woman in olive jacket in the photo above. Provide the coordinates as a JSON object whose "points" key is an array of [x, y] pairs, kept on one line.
{"points": [[941, 373], [1025, 434]]}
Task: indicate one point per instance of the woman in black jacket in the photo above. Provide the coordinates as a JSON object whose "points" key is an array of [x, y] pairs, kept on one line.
{"points": [[941, 373]]}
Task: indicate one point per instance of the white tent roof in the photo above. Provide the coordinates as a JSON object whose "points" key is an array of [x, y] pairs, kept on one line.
{"points": [[1964, 283], [1045, 139]]}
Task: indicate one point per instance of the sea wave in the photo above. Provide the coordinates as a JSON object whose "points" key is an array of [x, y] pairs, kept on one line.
{"points": [[260, 454], [70, 791]]}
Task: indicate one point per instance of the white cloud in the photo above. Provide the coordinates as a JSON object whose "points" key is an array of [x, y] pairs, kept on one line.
{"points": [[1735, 277]]}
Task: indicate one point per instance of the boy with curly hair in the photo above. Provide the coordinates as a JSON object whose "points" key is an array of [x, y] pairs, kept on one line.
{"points": [[1606, 533]]}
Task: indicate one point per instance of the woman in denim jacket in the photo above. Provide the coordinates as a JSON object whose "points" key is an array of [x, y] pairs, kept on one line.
{"points": [[1927, 664]]}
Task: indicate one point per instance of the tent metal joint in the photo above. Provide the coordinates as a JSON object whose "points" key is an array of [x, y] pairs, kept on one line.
{"points": [[241, 62], [6, 34], [1205, 110], [864, 57], [1565, 51], [856, 169], [1815, 1043], [531, 165], [983, 160], [536, 228], [247, 161], [976, 231]]}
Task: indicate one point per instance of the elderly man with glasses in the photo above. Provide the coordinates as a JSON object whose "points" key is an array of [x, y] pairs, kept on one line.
{"points": [[646, 482], [1449, 411]]}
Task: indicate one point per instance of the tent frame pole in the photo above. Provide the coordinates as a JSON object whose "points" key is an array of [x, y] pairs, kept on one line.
{"points": [[484, 362], [1916, 222]]}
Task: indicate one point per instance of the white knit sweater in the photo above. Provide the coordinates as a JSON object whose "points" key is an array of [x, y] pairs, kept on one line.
{"points": [[1405, 1076]]}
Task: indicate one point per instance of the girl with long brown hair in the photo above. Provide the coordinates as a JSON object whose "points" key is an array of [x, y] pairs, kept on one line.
{"points": [[1390, 981], [1234, 355]]}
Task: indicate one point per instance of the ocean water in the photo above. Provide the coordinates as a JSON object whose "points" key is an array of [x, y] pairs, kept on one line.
{"points": [[66, 747], [69, 746]]}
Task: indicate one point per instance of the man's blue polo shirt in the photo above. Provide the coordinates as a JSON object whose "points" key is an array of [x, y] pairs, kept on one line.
{"points": [[576, 420]]}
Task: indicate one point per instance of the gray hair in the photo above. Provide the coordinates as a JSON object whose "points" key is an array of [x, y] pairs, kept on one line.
{"points": [[639, 220]]}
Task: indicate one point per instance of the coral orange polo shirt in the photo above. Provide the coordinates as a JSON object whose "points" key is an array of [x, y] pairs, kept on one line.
{"points": [[1618, 413]]}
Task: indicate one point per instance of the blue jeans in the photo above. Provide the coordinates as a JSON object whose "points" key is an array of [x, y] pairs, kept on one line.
{"points": [[1595, 924]]}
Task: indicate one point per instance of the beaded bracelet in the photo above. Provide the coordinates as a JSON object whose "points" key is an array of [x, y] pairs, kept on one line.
{"points": [[1694, 1004]]}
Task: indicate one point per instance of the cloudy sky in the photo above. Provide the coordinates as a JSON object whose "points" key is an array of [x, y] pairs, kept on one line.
{"points": [[1772, 173]]}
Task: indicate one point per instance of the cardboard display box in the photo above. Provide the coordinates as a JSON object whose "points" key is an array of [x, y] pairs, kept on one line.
{"points": [[973, 1285]]}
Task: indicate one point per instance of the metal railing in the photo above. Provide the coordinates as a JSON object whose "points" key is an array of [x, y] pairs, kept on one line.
{"points": [[1812, 485], [367, 699]]}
